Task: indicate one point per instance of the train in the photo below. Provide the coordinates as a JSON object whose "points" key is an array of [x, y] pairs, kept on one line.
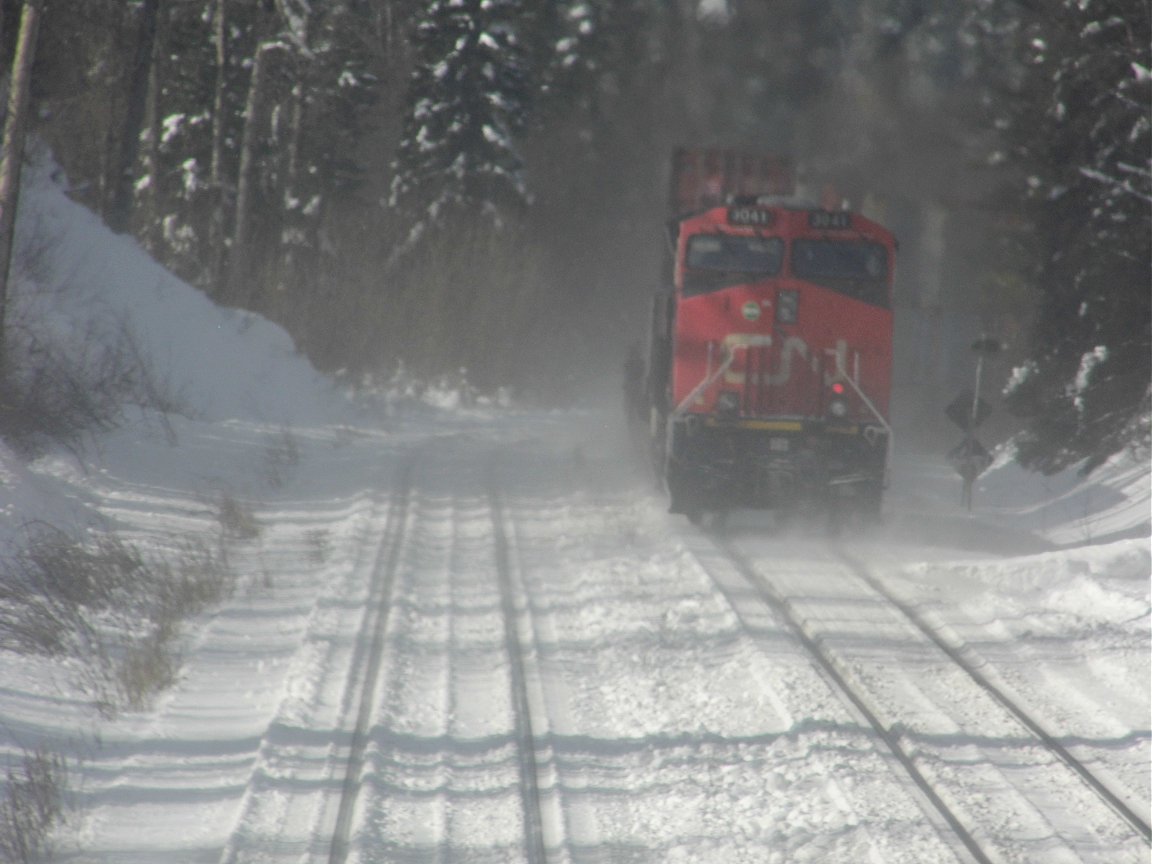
{"points": [[766, 380]]}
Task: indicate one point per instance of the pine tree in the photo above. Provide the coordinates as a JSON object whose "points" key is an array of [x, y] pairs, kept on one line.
{"points": [[1084, 392], [189, 170], [316, 168], [459, 159]]}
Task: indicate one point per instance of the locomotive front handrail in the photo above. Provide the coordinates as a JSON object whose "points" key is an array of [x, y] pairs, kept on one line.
{"points": [[730, 344], [875, 413], [709, 380]]}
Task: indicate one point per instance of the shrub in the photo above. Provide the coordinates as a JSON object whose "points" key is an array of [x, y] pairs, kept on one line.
{"points": [[236, 519], [281, 455], [109, 607], [32, 805], [69, 374]]}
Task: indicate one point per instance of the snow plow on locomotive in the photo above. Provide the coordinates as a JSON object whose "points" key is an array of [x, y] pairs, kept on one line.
{"points": [[769, 361]]}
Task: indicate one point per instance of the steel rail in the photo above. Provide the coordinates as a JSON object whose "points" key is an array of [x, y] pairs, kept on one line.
{"points": [[532, 811], [1118, 806], [780, 604], [372, 637]]}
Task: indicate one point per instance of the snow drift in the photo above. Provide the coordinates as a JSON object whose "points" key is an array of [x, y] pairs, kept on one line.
{"points": [[220, 363]]}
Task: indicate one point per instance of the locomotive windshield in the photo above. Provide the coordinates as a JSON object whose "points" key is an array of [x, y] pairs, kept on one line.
{"points": [[718, 260], [856, 268]]}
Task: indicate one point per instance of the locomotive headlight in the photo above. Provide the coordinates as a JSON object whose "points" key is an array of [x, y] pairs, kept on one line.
{"points": [[728, 403], [787, 307]]}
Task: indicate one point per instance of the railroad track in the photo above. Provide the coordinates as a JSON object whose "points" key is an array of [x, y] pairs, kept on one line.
{"points": [[969, 833], [1138, 823], [532, 811], [287, 802], [369, 657], [454, 594], [482, 550]]}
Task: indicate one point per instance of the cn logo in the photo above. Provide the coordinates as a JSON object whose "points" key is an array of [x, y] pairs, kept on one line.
{"points": [[794, 351]]}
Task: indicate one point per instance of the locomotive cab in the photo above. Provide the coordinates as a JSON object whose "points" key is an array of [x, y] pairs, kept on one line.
{"points": [[770, 362]]}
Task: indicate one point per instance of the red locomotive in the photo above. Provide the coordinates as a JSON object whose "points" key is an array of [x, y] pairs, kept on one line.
{"points": [[770, 357]]}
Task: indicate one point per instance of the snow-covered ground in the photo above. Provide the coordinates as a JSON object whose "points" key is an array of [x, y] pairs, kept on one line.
{"points": [[427, 583]]}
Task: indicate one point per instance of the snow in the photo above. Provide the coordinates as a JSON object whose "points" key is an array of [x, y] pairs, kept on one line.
{"points": [[676, 718], [223, 363]]}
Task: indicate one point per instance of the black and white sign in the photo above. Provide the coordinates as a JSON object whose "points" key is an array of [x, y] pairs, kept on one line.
{"points": [[970, 458], [961, 412]]}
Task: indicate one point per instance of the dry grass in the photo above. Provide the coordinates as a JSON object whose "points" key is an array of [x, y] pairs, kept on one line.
{"points": [[32, 805], [236, 519], [108, 607]]}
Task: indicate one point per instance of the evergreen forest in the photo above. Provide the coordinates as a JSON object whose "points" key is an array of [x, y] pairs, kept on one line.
{"points": [[482, 184]]}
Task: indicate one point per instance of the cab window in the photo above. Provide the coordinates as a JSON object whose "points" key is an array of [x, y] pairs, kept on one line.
{"points": [[715, 261], [856, 268]]}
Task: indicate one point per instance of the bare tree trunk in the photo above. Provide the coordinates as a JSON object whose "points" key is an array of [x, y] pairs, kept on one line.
{"points": [[152, 234], [297, 217], [386, 30], [220, 38], [13, 155], [216, 238], [119, 215], [254, 113], [294, 192]]}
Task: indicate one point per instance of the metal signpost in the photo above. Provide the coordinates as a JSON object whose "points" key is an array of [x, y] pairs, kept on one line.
{"points": [[970, 458]]}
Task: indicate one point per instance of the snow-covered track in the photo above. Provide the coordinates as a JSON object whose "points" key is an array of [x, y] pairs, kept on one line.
{"points": [[781, 606], [308, 760], [535, 849], [984, 768], [445, 765], [1138, 823], [370, 656]]}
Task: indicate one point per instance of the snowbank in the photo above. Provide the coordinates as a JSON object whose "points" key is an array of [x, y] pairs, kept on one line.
{"points": [[222, 364], [1111, 503]]}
